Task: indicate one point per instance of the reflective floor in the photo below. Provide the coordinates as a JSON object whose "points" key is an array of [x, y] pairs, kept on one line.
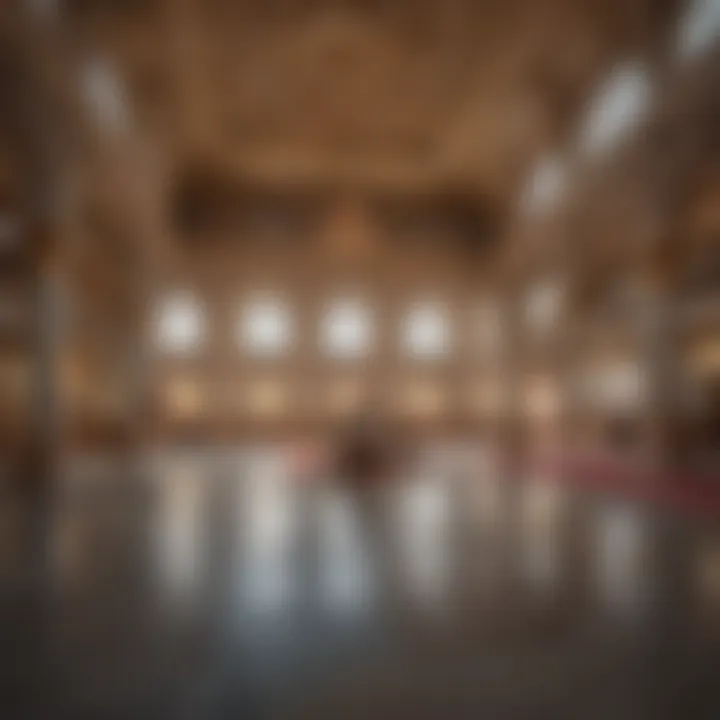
{"points": [[232, 585]]}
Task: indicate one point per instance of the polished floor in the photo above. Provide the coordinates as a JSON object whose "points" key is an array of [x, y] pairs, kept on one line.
{"points": [[235, 586]]}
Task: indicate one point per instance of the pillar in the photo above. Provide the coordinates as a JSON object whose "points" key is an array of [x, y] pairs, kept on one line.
{"points": [[657, 337]]}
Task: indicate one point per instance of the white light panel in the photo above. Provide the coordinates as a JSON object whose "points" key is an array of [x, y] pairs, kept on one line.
{"points": [[181, 324], [347, 329], [426, 331], [266, 328]]}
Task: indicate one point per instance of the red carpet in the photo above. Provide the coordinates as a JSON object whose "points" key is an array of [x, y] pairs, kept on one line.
{"points": [[688, 493]]}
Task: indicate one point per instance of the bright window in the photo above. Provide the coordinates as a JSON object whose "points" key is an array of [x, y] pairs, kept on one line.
{"points": [[347, 329], [617, 109], [181, 324], [266, 327], [426, 331]]}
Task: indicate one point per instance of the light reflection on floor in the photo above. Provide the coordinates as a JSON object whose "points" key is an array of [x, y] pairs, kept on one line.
{"points": [[622, 559], [290, 539], [346, 581], [423, 529], [317, 576], [180, 542], [542, 515]]}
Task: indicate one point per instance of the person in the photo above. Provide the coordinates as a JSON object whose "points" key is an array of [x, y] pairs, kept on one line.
{"points": [[363, 469], [362, 457]]}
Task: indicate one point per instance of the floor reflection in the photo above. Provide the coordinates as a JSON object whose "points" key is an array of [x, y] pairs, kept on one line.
{"points": [[286, 586], [623, 559], [423, 533], [180, 533], [543, 511], [346, 577]]}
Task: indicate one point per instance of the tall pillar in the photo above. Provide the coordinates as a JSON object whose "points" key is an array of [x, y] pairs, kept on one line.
{"points": [[511, 416], [38, 462], [661, 370], [36, 465], [566, 367]]}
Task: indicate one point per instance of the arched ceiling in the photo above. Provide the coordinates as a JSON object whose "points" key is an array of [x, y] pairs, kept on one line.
{"points": [[399, 93]]}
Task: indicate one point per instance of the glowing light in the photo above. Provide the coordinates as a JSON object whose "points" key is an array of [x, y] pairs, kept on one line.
{"points": [[426, 332], [266, 327], [180, 324], [347, 330], [618, 108], [699, 28], [104, 95]]}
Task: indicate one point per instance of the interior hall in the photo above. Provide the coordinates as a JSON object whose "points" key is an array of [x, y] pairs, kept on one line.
{"points": [[360, 358]]}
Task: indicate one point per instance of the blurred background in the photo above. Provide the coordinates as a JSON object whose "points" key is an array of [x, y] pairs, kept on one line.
{"points": [[360, 358]]}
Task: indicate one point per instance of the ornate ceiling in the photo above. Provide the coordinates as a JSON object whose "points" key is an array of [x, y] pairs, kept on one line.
{"points": [[398, 93]]}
